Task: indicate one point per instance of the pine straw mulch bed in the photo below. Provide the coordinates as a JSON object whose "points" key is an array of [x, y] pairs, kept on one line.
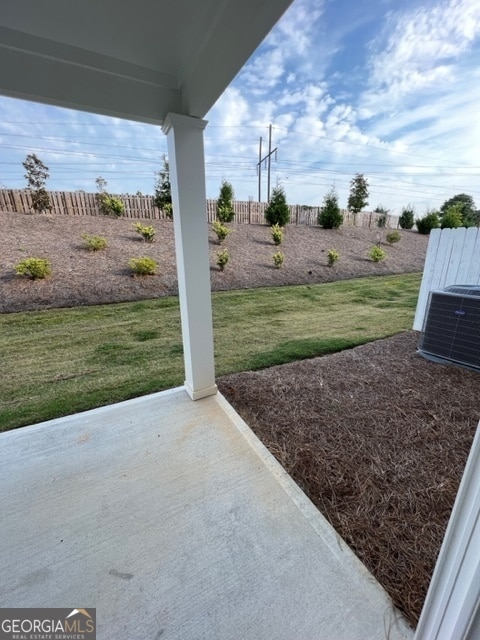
{"points": [[378, 438], [81, 277]]}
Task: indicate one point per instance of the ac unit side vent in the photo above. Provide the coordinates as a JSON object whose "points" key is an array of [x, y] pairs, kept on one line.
{"points": [[451, 330]]}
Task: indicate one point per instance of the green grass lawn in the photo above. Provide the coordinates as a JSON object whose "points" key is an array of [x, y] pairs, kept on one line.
{"points": [[62, 361]]}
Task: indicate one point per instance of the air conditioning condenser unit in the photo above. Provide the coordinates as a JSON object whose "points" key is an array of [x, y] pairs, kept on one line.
{"points": [[451, 329]]}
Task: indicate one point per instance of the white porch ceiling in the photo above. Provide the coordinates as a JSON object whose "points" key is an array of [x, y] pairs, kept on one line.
{"points": [[137, 60]]}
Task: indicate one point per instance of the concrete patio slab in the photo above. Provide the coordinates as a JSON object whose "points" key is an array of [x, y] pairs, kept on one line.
{"points": [[172, 519]]}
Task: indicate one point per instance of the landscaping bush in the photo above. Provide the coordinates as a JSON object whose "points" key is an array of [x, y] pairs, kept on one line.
{"points": [[377, 254], [147, 232], [109, 205], [222, 259], [330, 216], [277, 234], [34, 268], [94, 243], [332, 257], [162, 198], [277, 211], [427, 223], [221, 230], [393, 237], [406, 220], [452, 218], [225, 212], [278, 259], [143, 266]]}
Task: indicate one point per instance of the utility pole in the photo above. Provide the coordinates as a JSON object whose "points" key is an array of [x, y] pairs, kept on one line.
{"points": [[259, 170], [267, 159]]}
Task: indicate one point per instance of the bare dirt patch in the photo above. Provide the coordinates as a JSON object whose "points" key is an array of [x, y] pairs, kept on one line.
{"points": [[81, 277]]}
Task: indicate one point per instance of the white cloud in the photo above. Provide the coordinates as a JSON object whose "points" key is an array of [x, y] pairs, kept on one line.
{"points": [[419, 51]]}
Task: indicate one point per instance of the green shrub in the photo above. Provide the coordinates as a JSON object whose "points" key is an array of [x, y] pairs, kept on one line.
{"points": [[406, 220], [225, 212], [332, 257], [277, 234], [147, 232], [109, 205], [278, 259], [427, 223], [222, 259], [377, 254], [168, 210], [143, 266], [452, 218], [277, 211], [33, 268], [330, 216], [393, 237], [94, 243], [221, 230]]}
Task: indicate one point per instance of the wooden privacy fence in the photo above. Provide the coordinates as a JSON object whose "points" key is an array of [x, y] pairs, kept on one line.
{"points": [[453, 257], [79, 203]]}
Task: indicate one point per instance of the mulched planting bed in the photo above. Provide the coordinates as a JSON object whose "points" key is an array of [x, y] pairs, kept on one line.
{"points": [[378, 438], [81, 277]]}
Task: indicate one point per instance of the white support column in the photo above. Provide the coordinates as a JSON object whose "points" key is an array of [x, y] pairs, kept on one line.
{"points": [[452, 605], [187, 178]]}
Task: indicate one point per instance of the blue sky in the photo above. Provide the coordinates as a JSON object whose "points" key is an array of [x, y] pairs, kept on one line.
{"points": [[385, 88]]}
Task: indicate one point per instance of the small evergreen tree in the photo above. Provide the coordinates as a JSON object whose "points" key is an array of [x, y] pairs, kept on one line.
{"points": [[37, 174], [452, 218], [277, 211], [225, 212], [406, 220], [163, 191], [429, 221], [330, 216], [358, 198]]}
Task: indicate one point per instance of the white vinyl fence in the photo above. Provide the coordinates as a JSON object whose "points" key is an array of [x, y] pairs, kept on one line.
{"points": [[453, 257]]}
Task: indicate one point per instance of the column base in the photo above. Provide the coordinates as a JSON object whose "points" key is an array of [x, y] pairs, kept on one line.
{"points": [[200, 393]]}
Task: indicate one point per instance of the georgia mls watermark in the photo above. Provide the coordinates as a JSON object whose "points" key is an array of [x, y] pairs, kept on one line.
{"points": [[48, 624]]}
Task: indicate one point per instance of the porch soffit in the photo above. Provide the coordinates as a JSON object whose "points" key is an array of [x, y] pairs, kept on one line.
{"points": [[136, 60]]}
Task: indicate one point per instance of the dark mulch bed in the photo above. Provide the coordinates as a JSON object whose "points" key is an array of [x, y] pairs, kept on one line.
{"points": [[378, 438]]}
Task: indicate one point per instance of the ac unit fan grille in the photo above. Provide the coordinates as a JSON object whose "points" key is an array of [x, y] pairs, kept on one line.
{"points": [[452, 328]]}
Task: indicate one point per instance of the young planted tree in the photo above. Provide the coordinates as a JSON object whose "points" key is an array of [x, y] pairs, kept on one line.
{"points": [[358, 198], [163, 191], [36, 175], [406, 220], [277, 211], [330, 216], [452, 218], [225, 212]]}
